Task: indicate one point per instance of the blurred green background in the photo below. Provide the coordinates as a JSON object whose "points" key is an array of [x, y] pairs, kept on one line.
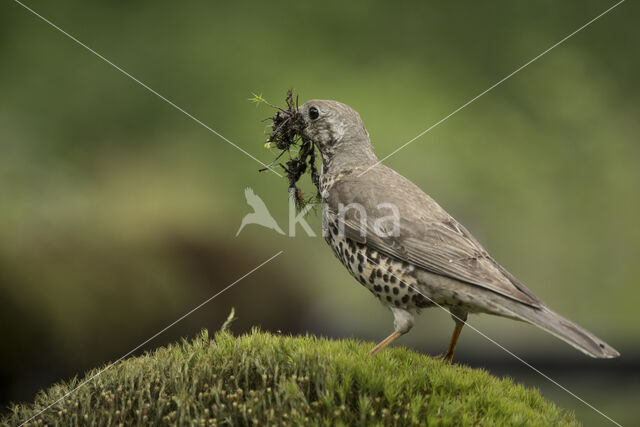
{"points": [[118, 213]]}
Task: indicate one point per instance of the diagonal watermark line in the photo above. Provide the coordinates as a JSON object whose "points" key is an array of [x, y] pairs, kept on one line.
{"points": [[501, 346], [492, 87], [151, 338], [177, 107]]}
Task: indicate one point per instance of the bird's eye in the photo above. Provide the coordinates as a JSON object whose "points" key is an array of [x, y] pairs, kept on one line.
{"points": [[313, 113]]}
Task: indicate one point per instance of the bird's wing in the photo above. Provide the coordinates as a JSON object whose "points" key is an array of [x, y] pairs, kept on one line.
{"points": [[427, 237], [249, 194], [254, 200]]}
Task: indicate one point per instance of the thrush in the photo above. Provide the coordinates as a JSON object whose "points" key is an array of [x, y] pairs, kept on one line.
{"points": [[406, 249]]}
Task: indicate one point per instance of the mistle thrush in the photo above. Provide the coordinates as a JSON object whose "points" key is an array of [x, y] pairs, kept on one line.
{"points": [[430, 258]]}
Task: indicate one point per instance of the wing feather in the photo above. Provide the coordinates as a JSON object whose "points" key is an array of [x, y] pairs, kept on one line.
{"points": [[428, 237]]}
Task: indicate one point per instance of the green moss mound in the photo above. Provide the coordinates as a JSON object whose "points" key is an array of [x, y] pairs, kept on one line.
{"points": [[267, 379]]}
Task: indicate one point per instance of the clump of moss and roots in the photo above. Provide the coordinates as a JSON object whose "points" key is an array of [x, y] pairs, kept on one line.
{"points": [[287, 136], [266, 379]]}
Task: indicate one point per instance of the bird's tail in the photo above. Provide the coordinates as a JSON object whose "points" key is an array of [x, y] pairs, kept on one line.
{"points": [[562, 328]]}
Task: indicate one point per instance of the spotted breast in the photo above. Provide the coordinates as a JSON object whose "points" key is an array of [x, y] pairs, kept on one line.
{"points": [[391, 281]]}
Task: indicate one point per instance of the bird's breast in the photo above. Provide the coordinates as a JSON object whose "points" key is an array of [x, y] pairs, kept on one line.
{"points": [[391, 281]]}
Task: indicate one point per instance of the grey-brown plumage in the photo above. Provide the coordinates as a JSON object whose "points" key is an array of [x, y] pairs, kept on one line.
{"points": [[429, 257]]}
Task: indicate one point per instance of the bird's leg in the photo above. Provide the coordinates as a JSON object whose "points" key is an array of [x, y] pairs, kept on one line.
{"points": [[452, 344], [385, 342], [402, 322], [460, 317]]}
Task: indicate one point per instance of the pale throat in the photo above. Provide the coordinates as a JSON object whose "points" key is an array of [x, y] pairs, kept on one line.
{"points": [[346, 155]]}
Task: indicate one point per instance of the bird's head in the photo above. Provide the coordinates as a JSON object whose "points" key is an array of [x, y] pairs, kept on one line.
{"points": [[338, 132]]}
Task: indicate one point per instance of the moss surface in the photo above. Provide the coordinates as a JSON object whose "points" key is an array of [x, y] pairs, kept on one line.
{"points": [[271, 379]]}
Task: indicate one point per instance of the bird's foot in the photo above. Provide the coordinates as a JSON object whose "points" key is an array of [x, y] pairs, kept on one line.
{"points": [[444, 357]]}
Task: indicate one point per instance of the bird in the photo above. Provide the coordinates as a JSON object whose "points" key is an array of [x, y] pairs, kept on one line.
{"points": [[260, 214], [405, 248]]}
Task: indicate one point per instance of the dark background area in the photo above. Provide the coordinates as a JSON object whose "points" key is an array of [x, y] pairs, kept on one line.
{"points": [[118, 213]]}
